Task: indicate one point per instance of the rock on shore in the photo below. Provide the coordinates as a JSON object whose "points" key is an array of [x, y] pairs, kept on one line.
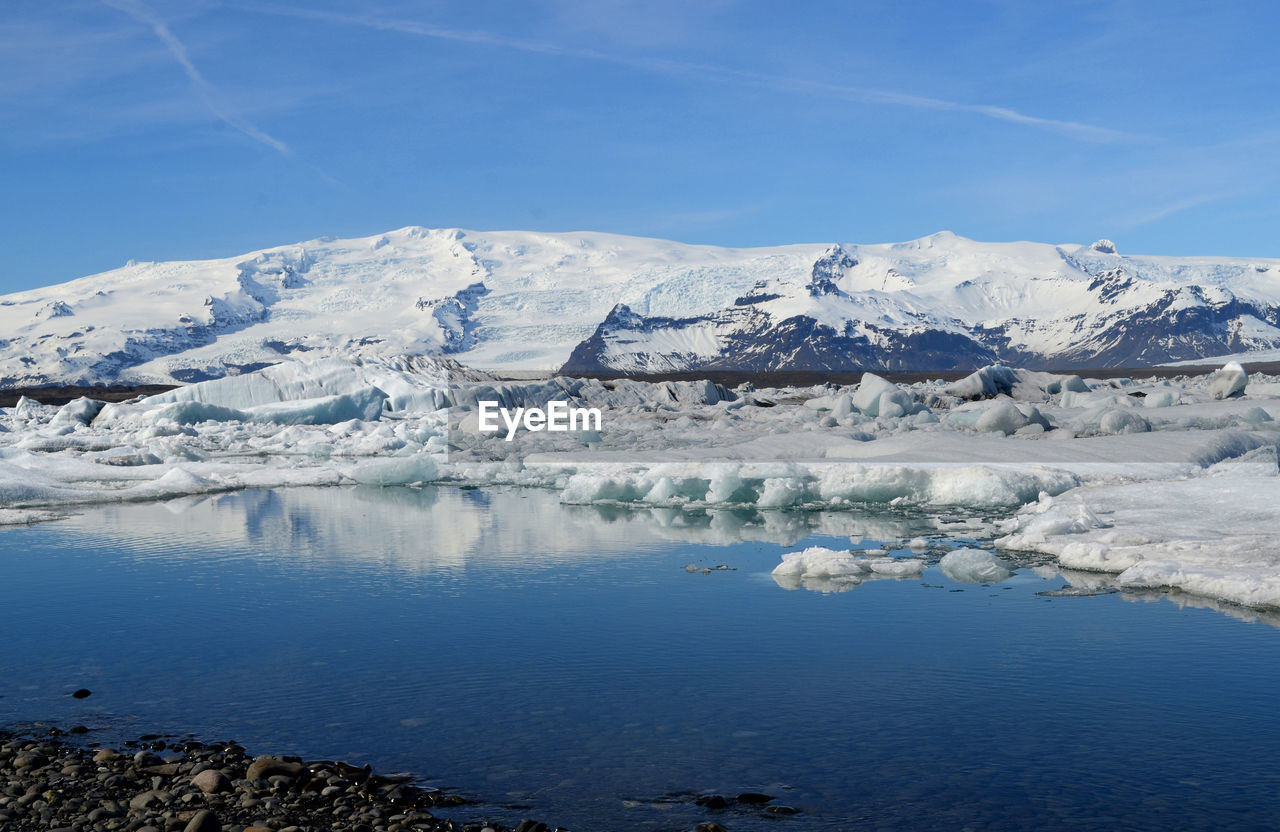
{"points": [[189, 786]]}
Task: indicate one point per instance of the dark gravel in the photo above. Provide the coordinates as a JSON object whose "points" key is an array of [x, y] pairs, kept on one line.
{"points": [[62, 394], [154, 785]]}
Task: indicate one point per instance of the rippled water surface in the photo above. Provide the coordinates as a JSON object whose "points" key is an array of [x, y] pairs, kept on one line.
{"points": [[564, 664]]}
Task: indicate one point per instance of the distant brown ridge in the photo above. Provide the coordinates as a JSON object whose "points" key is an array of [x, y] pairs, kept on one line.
{"points": [[60, 395]]}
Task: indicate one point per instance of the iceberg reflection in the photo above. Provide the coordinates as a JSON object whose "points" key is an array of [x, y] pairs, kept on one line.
{"points": [[442, 527]]}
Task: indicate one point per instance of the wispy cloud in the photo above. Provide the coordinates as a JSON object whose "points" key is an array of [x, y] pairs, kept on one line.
{"points": [[1079, 130], [1181, 205], [206, 90]]}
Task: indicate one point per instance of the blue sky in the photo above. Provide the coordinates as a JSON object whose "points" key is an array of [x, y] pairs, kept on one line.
{"points": [[155, 130]]}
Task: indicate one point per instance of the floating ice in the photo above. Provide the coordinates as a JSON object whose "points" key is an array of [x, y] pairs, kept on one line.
{"points": [[827, 485], [1000, 415], [820, 562], [1212, 535], [897, 567], [30, 409], [987, 382], [321, 392], [974, 566], [1110, 421], [831, 570], [1116, 487], [876, 396], [1065, 384], [1122, 421], [80, 411], [1256, 416], [1007, 418], [406, 470], [1027, 385], [364, 405], [1161, 398]]}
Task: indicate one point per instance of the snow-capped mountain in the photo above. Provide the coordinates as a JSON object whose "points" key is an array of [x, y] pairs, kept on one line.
{"points": [[603, 303], [945, 302]]}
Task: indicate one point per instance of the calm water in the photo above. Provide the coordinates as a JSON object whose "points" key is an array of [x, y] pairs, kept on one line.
{"points": [[563, 664]]}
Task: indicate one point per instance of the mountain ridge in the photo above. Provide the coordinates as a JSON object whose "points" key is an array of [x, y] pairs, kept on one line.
{"points": [[591, 303]]}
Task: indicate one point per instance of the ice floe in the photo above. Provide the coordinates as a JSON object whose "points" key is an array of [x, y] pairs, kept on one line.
{"points": [[1212, 535], [974, 566], [1164, 482], [830, 570]]}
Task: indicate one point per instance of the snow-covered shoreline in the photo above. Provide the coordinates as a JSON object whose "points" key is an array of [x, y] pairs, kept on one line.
{"points": [[1114, 476]]}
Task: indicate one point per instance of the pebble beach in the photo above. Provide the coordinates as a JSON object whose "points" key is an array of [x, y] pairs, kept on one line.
{"points": [[155, 784]]}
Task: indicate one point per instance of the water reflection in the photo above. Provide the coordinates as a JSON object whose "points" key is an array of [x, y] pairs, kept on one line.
{"points": [[829, 584], [446, 528], [564, 662], [1079, 584], [443, 529]]}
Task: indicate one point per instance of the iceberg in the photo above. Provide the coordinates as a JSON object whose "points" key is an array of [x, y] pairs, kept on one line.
{"points": [[1228, 382], [974, 566], [1111, 476], [876, 396], [830, 570]]}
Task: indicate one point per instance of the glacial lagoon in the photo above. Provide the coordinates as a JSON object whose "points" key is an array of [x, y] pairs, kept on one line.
{"points": [[602, 668]]}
